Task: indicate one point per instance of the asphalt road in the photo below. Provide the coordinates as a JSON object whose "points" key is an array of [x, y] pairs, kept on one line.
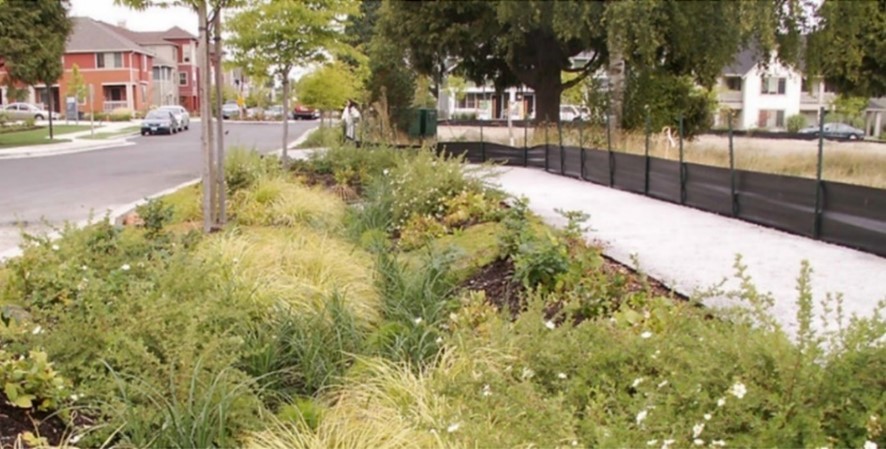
{"points": [[72, 187]]}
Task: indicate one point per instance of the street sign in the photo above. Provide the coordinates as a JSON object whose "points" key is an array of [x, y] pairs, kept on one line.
{"points": [[71, 109], [240, 101]]}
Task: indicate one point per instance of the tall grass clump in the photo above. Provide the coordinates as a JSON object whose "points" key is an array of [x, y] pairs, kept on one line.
{"points": [[244, 167], [297, 269], [275, 201]]}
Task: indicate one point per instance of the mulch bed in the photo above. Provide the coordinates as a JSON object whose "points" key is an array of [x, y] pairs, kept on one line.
{"points": [[15, 421]]}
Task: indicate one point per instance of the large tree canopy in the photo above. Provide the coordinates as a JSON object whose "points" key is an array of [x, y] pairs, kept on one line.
{"points": [[848, 47], [32, 40], [531, 42]]}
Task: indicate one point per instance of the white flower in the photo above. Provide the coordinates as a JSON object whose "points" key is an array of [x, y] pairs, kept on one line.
{"points": [[666, 444], [486, 391], [75, 397], [738, 390], [235, 260], [37, 330], [550, 324], [453, 317], [561, 375], [636, 382], [386, 172], [55, 247], [707, 416], [74, 439], [418, 320], [438, 340], [453, 427], [718, 443], [652, 442], [84, 267], [697, 430], [575, 442], [646, 335], [721, 402], [698, 442], [870, 445], [663, 384], [641, 416], [527, 373], [125, 267]]}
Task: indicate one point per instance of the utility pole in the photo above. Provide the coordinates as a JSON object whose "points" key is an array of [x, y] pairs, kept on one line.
{"points": [[220, 134]]}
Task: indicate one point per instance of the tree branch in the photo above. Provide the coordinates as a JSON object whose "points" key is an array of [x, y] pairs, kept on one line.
{"points": [[587, 71], [590, 62]]}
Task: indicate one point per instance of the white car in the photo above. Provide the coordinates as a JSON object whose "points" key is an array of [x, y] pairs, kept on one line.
{"points": [[569, 113], [24, 111], [181, 116]]}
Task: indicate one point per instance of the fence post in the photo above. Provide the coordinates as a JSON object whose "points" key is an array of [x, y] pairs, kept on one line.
{"points": [[525, 142], [609, 146], [546, 146], [734, 196], [581, 149], [482, 144], [646, 169], [562, 155], [816, 230], [682, 166]]}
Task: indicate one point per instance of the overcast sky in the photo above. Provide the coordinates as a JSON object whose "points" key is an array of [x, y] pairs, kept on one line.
{"points": [[153, 19]]}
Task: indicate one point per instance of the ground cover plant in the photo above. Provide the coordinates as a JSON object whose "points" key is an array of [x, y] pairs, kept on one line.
{"points": [[388, 298]]}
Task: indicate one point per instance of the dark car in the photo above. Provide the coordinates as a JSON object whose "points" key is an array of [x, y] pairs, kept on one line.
{"points": [[304, 112], [840, 131], [159, 121]]}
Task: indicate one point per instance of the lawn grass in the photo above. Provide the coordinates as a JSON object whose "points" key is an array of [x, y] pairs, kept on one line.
{"points": [[114, 134], [37, 136]]}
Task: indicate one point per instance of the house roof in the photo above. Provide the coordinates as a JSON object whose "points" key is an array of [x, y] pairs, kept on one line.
{"points": [[90, 35], [877, 104], [178, 33], [744, 61]]}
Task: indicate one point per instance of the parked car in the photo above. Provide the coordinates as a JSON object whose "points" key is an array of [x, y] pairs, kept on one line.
{"points": [[25, 111], [181, 116], [836, 131], [255, 112], [304, 112], [230, 109], [274, 112], [159, 121], [569, 113]]}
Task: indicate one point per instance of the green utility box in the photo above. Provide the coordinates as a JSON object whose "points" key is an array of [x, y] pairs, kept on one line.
{"points": [[423, 123]]}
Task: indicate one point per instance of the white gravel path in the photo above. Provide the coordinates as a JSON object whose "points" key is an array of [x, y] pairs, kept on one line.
{"points": [[690, 250]]}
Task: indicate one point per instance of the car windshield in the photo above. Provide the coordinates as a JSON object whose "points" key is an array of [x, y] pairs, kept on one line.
{"points": [[158, 115], [174, 110]]}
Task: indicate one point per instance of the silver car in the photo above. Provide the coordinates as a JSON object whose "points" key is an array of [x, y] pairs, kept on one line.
{"points": [[24, 111], [181, 116]]}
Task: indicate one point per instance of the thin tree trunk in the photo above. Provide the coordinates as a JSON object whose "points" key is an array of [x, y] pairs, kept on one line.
{"points": [[220, 134], [616, 75], [213, 171], [205, 126], [49, 100], [286, 119]]}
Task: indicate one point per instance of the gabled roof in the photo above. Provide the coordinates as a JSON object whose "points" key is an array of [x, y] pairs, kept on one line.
{"points": [[90, 35], [744, 61], [178, 33], [153, 37], [877, 104]]}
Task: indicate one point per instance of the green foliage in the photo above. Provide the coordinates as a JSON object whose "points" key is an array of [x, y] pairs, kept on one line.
{"points": [[796, 122], [847, 109], [327, 88], [31, 381], [847, 49], [156, 214], [77, 85], [32, 41], [244, 167], [540, 260], [667, 98]]}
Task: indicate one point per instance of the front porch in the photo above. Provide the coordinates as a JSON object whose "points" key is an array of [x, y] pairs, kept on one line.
{"points": [[116, 96]]}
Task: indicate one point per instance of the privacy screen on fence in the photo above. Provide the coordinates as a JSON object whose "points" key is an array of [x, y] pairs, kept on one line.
{"points": [[849, 215]]}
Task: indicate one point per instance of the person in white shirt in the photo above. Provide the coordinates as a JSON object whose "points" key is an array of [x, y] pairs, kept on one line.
{"points": [[350, 116]]}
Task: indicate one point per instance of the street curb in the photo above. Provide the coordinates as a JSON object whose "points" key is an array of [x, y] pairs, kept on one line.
{"points": [[117, 143], [116, 214]]}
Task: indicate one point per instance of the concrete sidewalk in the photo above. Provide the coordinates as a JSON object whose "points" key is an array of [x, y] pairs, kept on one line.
{"points": [[690, 250], [78, 142]]}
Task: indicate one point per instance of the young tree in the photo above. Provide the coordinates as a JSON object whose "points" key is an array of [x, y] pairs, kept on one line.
{"points": [[327, 88], [274, 36], [77, 86], [32, 42]]}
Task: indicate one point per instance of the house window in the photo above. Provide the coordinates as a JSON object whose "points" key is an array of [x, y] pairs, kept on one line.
{"points": [[186, 53], [829, 87], [144, 63], [771, 85], [182, 78], [770, 119], [733, 83], [109, 60], [156, 73], [473, 100]]}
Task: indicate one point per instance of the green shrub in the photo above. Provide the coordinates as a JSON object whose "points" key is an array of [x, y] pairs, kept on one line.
{"points": [[244, 167], [323, 137], [30, 122], [120, 115], [796, 123], [31, 381], [156, 214]]}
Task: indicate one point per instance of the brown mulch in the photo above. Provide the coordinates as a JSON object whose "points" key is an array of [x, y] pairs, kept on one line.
{"points": [[16, 421]]}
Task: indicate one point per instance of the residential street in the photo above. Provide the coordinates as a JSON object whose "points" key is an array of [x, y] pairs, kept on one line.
{"points": [[73, 186]]}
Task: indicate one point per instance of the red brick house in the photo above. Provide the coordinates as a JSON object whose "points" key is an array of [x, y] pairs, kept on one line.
{"points": [[124, 68]]}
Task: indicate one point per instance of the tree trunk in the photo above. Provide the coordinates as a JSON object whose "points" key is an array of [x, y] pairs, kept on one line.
{"points": [[285, 153], [49, 109], [210, 132], [616, 74], [206, 125], [547, 94], [220, 133]]}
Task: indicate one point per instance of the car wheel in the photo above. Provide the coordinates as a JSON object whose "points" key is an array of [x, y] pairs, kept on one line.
{"points": [[853, 137], [187, 127], [38, 117]]}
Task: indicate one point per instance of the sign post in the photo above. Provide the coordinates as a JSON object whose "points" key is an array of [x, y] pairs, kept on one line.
{"points": [[91, 110]]}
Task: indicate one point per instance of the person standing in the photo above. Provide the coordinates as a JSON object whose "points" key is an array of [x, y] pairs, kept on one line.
{"points": [[350, 116]]}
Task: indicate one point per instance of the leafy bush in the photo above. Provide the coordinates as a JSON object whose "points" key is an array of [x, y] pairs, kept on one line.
{"points": [[796, 123], [156, 214], [31, 381], [30, 122], [120, 115], [667, 98], [273, 201], [244, 167]]}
